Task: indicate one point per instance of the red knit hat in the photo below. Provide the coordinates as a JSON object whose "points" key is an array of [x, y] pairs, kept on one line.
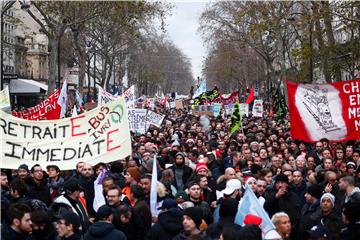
{"points": [[249, 179], [252, 219], [201, 165]]}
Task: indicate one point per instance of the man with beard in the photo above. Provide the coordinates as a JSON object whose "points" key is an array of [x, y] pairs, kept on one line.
{"points": [[42, 228], [37, 185], [18, 224], [181, 172], [87, 180], [195, 197], [67, 227]]}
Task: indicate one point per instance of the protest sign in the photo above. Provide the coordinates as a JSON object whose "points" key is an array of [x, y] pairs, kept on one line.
{"points": [[137, 120], [49, 109], [258, 108], [100, 135], [329, 111], [154, 118], [104, 97], [244, 109], [129, 96], [206, 97], [216, 109], [5, 100], [203, 110], [171, 103], [179, 104], [229, 109]]}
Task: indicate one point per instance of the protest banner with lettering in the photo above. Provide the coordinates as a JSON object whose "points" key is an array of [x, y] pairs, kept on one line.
{"points": [[104, 97], [5, 100], [130, 97], [244, 109], [206, 97], [203, 110], [150, 103], [258, 108], [137, 120], [49, 109], [171, 103], [100, 135], [154, 119], [329, 111]]}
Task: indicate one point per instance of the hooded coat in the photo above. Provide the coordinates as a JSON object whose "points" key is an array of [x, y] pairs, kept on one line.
{"points": [[168, 226], [104, 231]]}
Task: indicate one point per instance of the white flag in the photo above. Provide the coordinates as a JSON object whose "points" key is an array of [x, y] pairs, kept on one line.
{"points": [[99, 198], [74, 112], [63, 99], [153, 191]]}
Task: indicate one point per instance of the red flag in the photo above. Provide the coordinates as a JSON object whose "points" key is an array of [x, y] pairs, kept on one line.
{"points": [[329, 111], [251, 96], [48, 109]]}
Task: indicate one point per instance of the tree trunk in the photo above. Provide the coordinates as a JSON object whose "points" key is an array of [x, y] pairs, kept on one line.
{"points": [[53, 63], [330, 36], [321, 44]]}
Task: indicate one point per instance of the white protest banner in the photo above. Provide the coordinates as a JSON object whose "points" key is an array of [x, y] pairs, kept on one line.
{"points": [[104, 96], [5, 100], [129, 96], [137, 120], [154, 118], [229, 109], [258, 108], [100, 135], [244, 109]]}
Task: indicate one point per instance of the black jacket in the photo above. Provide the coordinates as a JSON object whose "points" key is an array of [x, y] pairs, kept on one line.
{"points": [[214, 230], [7, 233], [141, 219], [300, 191], [310, 215], [288, 203], [88, 185], [40, 192], [168, 226], [104, 231], [332, 224]]}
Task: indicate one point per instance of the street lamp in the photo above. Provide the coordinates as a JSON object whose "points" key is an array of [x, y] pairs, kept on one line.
{"points": [[25, 4]]}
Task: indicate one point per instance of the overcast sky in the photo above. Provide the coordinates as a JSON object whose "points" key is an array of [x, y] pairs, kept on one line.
{"points": [[182, 28]]}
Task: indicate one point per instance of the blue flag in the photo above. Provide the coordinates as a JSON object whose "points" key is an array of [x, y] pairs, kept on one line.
{"points": [[200, 89], [249, 204]]}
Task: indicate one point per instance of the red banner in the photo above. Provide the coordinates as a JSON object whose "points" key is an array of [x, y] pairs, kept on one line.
{"points": [[231, 99], [329, 111], [45, 110]]}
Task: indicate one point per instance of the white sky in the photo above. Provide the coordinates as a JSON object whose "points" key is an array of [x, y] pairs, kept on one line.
{"points": [[182, 28]]}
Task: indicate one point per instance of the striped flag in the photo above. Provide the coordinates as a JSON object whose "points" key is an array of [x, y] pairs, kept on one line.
{"points": [[249, 204]]}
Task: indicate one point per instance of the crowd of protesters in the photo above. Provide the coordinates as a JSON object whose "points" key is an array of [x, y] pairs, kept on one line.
{"points": [[310, 191]]}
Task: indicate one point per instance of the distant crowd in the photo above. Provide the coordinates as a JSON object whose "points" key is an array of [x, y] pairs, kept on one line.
{"points": [[309, 190]]}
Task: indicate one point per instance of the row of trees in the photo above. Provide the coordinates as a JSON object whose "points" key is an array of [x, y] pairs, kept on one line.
{"points": [[299, 40], [110, 40]]}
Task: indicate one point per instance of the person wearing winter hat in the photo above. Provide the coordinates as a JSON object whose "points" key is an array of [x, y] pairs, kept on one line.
{"points": [[251, 181], [23, 171], [329, 218], [282, 199], [181, 171], [309, 212], [191, 223], [201, 168]]}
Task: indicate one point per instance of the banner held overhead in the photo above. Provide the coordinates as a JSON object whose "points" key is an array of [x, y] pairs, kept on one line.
{"points": [[100, 135]]}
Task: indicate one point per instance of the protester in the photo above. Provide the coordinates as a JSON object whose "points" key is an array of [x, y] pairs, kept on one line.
{"points": [[283, 224], [103, 227], [18, 223], [68, 227], [191, 223]]}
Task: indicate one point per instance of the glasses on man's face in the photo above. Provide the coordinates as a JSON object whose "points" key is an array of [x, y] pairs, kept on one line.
{"points": [[339, 152]]}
